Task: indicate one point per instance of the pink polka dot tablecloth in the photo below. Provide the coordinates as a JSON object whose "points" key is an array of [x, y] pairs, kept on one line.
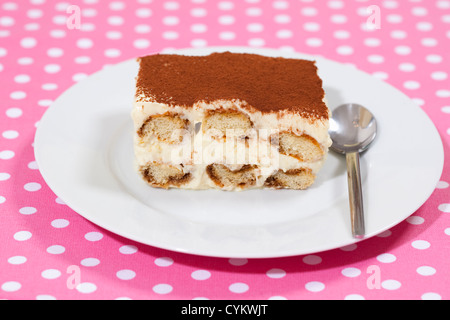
{"points": [[45, 49]]}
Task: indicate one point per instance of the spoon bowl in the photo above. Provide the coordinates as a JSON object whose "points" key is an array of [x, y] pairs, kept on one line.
{"points": [[352, 129]]}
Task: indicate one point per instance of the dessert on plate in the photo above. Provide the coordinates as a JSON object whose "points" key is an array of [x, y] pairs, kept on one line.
{"points": [[229, 121]]}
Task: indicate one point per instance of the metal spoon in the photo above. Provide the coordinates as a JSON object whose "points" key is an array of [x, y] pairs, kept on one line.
{"points": [[352, 129]]}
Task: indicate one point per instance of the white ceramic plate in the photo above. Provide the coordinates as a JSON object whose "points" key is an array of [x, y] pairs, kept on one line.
{"points": [[84, 151]]}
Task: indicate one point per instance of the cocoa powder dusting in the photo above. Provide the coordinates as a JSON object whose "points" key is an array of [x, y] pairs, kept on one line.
{"points": [[264, 83]]}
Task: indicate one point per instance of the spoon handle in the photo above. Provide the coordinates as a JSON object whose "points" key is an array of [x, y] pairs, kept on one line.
{"points": [[355, 195]]}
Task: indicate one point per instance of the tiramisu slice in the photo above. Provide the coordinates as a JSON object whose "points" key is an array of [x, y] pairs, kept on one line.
{"points": [[229, 121]]}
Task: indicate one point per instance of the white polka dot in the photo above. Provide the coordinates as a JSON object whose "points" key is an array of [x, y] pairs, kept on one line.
{"points": [[407, 67], [201, 275], [85, 43], [351, 272], [341, 34], [309, 11], [113, 35], [253, 12], [201, 28], [18, 95], [411, 85], [199, 12], [276, 273], [52, 68], [93, 236], [419, 11], [284, 34], [6, 154], [56, 249], [443, 184], [171, 20], [238, 261], [141, 43], [55, 52], [429, 42], [225, 5], [10, 134], [14, 113], [128, 249], [10, 6], [90, 262], [163, 261], [445, 207], [375, 58], [82, 59], [116, 6], [426, 271], [22, 235], [49, 86], [314, 42], [311, 26], [171, 5], [86, 287], [22, 78], [28, 43], [11, 286], [238, 287], [402, 50], [25, 61], [372, 42], [443, 93], [227, 35], [255, 27], [431, 296], [170, 35], [282, 18], [118, 20], [32, 186], [17, 260], [433, 58], [280, 5], [162, 288], [126, 274], [59, 201], [277, 298], [60, 223], [312, 260], [57, 33], [386, 258], [45, 297], [338, 18], [51, 274], [112, 53], [344, 50], [7, 21], [45, 102], [424, 26], [354, 297], [199, 43], [4, 176], [394, 18], [391, 284], [315, 286], [439, 75], [27, 210], [415, 220], [420, 244]]}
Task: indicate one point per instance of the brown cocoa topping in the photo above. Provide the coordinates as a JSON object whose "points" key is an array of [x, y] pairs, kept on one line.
{"points": [[264, 83]]}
